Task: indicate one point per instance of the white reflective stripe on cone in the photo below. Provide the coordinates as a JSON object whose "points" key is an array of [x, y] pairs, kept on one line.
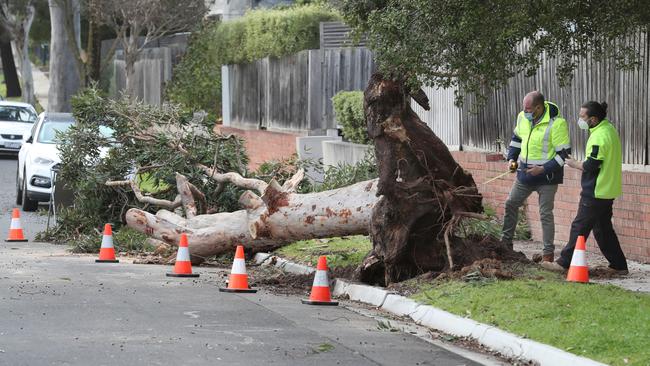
{"points": [[579, 258], [107, 241], [183, 254], [15, 224], [320, 279], [238, 266]]}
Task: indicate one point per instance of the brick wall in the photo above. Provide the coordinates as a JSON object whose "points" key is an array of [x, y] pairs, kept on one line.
{"points": [[263, 145], [631, 210]]}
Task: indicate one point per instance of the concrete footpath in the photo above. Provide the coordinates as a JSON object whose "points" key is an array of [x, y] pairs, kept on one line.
{"points": [[41, 86]]}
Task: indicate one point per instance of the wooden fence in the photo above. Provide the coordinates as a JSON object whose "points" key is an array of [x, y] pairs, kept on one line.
{"points": [[293, 93], [153, 69]]}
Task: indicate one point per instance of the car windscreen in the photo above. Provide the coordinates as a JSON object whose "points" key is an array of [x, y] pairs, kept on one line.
{"points": [[10, 113], [47, 134]]}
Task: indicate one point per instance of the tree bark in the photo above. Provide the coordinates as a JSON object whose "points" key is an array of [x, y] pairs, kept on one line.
{"points": [[422, 188], [276, 218], [22, 45], [64, 73], [9, 69]]}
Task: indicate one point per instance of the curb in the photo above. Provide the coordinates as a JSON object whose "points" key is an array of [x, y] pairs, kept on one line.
{"points": [[507, 344], [272, 260]]}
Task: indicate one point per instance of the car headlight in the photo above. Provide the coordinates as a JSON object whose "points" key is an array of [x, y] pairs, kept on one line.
{"points": [[42, 161], [39, 181]]}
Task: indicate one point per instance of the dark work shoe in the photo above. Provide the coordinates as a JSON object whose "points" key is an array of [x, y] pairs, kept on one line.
{"points": [[539, 257], [609, 271]]}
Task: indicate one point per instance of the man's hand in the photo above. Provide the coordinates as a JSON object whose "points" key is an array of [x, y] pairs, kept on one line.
{"points": [[512, 166], [575, 164], [535, 170]]}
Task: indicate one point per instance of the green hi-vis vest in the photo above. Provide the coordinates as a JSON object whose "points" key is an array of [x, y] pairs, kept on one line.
{"points": [[540, 143], [604, 145]]}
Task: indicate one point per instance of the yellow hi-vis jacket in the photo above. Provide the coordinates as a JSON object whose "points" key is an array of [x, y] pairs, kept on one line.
{"points": [[544, 143]]}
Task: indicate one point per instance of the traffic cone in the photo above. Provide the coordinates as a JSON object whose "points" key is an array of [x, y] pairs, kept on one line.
{"points": [[238, 280], [15, 231], [578, 271], [107, 251], [320, 290], [183, 265]]}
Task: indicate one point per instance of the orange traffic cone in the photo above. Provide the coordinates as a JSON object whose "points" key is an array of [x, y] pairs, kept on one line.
{"points": [[183, 265], [107, 251], [238, 280], [320, 290], [15, 231], [578, 271]]}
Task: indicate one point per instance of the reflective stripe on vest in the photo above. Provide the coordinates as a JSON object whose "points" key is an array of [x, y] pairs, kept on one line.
{"points": [[547, 135]]}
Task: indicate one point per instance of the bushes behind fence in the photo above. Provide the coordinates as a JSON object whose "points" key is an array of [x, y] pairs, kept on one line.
{"points": [[260, 33]]}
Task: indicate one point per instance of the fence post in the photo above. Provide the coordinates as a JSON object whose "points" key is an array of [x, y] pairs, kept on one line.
{"points": [[225, 94]]}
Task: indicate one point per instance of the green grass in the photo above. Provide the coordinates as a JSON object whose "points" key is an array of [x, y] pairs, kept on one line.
{"points": [[3, 86], [124, 240], [601, 322], [340, 252]]}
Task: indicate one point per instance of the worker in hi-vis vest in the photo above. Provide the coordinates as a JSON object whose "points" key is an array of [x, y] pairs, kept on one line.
{"points": [[601, 184], [539, 147]]}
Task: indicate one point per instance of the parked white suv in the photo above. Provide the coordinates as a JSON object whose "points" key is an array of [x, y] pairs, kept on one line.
{"points": [[16, 120], [39, 152]]}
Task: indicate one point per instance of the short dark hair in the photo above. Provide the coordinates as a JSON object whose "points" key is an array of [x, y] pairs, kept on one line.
{"points": [[595, 109], [538, 99]]}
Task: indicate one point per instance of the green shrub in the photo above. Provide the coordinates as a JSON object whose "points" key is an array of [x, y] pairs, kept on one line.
{"points": [[276, 32], [89, 159], [196, 81], [348, 108]]}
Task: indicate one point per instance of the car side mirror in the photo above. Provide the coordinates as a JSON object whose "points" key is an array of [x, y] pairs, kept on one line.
{"points": [[29, 140]]}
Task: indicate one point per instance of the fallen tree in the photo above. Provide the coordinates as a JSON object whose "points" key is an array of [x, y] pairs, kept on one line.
{"points": [[164, 172], [271, 215]]}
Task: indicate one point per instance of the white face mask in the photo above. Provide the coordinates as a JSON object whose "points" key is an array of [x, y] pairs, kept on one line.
{"points": [[583, 124], [528, 115]]}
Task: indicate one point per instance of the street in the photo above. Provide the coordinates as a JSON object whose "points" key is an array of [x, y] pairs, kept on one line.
{"points": [[64, 309]]}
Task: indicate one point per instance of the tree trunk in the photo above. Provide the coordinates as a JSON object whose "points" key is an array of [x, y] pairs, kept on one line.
{"points": [[422, 188], [64, 73], [9, 69], [277, 218], [130, 58], [22, 45]]}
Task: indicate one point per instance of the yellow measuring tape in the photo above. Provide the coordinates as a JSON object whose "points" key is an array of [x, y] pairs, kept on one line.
{"points": [[512, 169]]}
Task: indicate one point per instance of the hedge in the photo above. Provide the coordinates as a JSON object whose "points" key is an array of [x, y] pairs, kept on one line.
{"points": [[260, 33], [348, 109]]}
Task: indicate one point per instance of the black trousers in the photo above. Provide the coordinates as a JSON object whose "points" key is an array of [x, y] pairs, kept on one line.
{"points": [[595, 214]]}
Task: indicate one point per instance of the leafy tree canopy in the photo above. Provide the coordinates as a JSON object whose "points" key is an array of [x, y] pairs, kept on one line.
{"points": [[476, 44]]}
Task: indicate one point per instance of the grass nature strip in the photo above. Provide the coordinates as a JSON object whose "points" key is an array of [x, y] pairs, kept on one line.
{"points": [[601, 322], [340, 251]]}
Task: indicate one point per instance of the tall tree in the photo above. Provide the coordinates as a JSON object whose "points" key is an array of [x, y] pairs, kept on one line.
{"points": [[65, 75], [9, 67], [17, 16], [478, 44], [138, 23]]}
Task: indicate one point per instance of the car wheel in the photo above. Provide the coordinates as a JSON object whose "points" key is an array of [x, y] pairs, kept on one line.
{"points": [[28, 204], [19, 191]]}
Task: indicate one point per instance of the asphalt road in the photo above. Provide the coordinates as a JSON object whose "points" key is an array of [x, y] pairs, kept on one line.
{"points": [[64, 309]]}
